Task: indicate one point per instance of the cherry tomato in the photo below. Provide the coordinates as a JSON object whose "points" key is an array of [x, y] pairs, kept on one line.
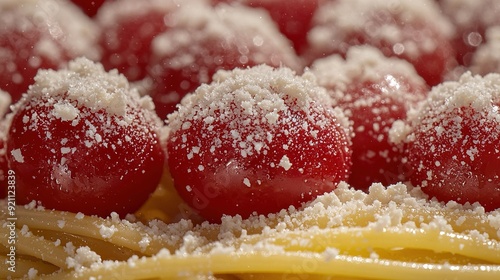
{"points": [[398, 28], [224, 37], [374, 91], [82, 141], [41, 34], [452, 146], [256, 140], [128, 27]]}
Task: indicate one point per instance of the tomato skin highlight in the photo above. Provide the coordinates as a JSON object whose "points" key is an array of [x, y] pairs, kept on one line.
{"points": [[267, 167]]}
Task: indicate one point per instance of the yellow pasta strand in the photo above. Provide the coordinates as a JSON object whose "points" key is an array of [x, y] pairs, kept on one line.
{"points": [[123, 235], [347, 239], [171, 267]]}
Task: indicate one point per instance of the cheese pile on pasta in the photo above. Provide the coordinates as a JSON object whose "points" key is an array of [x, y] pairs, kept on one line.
{"points": [[391, 233]]}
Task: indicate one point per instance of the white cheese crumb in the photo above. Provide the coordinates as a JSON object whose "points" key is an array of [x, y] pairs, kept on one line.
{"points": [[107, 232], [83, 257], [246, 182], [79, 215], [18, 156], [330, 253], [285, 162], [32, 273], [61, 223]]}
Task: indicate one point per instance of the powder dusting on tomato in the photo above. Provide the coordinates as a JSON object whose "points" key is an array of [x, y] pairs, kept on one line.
{"points": [[375, 91], [257, 140], [205, 39], [82, 140], [41, 34], [128, 28], [486, 59], [451, 141], [398, 28]]}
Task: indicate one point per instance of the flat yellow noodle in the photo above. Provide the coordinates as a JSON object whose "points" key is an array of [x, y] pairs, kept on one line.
{"points": [[346, 239], [89, 226], [171, 267], [34, 246]]}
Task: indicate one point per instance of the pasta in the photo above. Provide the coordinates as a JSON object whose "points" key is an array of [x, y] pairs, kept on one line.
{"points": [[391, 233]]}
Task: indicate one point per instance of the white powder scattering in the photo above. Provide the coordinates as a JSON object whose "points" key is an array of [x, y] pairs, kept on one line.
{"points": [[469, 105], [258, 92], [361, 64], [337, 20]]}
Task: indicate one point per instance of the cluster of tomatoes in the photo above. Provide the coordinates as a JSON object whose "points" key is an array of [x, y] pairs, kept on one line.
{"points": [[375, 61]]}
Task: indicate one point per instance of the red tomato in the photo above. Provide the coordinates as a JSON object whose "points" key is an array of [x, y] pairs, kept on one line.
{"points": [[398, 28], [41, 34], [452, 148], [471, 20], [128, 27], [256, 140], [374, 91], [82, 141], [187, 55]]}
